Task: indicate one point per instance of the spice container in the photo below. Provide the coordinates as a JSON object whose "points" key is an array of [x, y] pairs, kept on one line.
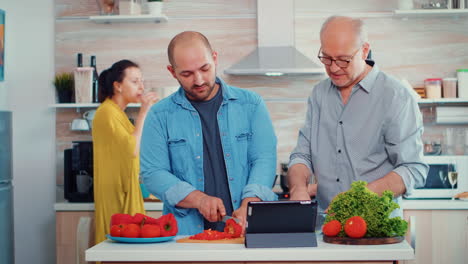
{"points": [[449, 87], [462, 75], [433, 88]]}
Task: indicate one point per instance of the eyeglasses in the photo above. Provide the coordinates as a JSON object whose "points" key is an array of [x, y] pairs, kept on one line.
{"points": [[342, 63]]}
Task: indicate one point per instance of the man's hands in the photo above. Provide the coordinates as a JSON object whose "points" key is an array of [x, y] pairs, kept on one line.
{"points": [[212, 208], [241, 212], [298, 179]]}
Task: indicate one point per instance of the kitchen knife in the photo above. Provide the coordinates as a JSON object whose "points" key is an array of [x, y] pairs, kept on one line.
{"points": [[227, 217]]}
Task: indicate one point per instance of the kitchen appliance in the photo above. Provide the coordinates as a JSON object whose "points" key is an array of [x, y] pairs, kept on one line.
{"points": [[6, 189], [78, 161], [275, 56], [284, 195], [89, 116], [437, 183]]}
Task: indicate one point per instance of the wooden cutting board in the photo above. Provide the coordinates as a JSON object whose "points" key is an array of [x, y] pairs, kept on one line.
{"points": [[239, 240], [363, 241]]}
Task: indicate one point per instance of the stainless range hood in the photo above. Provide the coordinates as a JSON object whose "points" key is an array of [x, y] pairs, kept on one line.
{"points": [[275, 54]]}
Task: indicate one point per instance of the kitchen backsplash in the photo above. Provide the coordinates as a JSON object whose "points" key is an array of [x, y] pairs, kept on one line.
{"points": [[413, 48]]}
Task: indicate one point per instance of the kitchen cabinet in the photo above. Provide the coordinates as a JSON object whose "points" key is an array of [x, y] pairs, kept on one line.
{"points": [[75, 233], [441, 236]]}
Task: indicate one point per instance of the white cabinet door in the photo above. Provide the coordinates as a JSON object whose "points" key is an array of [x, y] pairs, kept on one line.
{"points": [[441, 236]]}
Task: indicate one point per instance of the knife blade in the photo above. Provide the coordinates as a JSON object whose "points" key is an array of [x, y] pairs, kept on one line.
{"points": [[227, 217]]}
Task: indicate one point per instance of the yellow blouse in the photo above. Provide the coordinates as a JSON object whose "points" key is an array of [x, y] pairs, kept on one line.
{"points": [[116, 168]]}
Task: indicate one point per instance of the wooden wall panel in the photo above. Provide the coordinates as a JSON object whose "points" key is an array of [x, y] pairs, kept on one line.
{"points": [[414, 48], [288, 118], [171, 8], [321, 8], [146, 43]]}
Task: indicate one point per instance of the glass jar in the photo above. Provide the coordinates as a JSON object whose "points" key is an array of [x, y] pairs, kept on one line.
{"points": [[449, 87], [462, 76], [108, 7], [130, 7], [433, 88]]}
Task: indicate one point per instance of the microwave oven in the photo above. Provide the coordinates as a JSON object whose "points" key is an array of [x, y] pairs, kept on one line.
{"points": [[437, 184]]}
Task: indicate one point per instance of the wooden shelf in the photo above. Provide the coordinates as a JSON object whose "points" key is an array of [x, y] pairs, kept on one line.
{"points": [[420, 101], [443, 101], [84, 105], [128, 18], [429, 12]]}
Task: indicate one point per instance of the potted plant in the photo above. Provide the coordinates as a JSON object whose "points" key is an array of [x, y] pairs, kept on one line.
{"points": [[155, 7], [64, 85]]}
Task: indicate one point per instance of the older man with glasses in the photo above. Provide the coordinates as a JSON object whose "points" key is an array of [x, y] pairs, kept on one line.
{"points": [[361, 124]]}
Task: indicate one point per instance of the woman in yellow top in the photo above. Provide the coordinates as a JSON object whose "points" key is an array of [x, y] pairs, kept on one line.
{"points": [[116, 144]]}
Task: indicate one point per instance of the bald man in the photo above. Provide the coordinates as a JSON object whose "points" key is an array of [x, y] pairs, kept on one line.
{"points": [[361, 124], [209, 148]]}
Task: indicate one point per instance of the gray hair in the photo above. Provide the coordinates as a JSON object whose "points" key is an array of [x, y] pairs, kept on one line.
{"points": [[358, 25]]}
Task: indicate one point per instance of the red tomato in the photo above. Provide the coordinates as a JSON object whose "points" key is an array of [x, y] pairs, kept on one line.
{"points": [[355, 227], [131, 230], [331, 228], [150, 231], [116, 230]]}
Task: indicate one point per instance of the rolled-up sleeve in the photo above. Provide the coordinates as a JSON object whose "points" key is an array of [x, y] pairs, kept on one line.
{"points": [[404, 144]]}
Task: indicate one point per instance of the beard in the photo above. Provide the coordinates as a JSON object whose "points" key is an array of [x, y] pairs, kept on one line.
{"points": [[195, 95]]}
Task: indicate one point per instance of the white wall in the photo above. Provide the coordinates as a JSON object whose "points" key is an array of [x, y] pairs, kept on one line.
{"points": [[29, 69]]}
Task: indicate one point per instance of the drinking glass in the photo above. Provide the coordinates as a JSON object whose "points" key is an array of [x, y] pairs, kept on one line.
{"points": [[452, 177]]}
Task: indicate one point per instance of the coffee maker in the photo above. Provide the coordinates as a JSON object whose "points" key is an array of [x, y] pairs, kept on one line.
{"points": [[78, 166]]}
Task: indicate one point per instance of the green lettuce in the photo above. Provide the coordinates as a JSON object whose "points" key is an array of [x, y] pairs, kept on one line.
{"points": [[376, 210]]}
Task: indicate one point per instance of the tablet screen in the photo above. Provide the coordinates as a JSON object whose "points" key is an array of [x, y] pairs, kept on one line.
{"points": [[281, 217]]}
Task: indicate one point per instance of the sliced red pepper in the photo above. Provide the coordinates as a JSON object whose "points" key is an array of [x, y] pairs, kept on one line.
{"points": [[232, 228], [209, 234]]}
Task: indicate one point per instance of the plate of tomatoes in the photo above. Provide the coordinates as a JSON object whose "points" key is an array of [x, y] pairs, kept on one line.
{"points": [[141, 228], [140, 239]]}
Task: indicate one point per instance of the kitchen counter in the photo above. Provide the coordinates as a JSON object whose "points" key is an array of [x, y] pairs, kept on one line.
{"points": [[434, 204], [427, 204], [64, 205], [110, 252], [67, 206]]}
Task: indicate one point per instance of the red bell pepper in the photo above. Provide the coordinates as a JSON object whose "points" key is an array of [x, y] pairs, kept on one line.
{"points": [[121, 219], [168, 225], [232, 228], [138, 218]]}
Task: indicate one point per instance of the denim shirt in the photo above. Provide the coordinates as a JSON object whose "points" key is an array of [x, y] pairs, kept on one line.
{"points": [[171, 153]]}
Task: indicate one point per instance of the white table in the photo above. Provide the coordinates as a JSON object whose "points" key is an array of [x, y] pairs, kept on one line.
{"points": [[113, 252]]}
